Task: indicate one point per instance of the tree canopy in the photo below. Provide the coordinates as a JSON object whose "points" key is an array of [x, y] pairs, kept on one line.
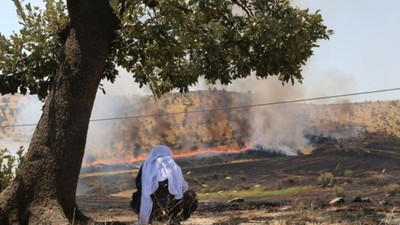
{"points": [[169, 44]]}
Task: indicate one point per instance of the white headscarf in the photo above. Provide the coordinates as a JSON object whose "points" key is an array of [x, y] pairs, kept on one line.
{"points": [[159, 166]]}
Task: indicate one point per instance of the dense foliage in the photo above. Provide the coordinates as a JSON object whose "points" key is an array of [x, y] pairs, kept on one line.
{"points": [[173, 43], [9, 166], [169, 44], [29, 58]]}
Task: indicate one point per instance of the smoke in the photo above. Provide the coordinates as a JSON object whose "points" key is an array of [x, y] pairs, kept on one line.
{"points": [[124, 85], [276, 125], [282, 126], [279, 126], [18, 109], [108, 139], [346, 109], [320, 83]]}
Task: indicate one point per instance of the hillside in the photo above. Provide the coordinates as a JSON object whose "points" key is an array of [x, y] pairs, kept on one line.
{"points": [[187, 130]]}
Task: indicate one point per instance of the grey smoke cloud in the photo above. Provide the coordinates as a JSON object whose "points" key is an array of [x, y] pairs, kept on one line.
{"points": [[280, 126]]}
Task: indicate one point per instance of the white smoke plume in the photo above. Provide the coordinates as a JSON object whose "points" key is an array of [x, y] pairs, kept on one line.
{"points": [[281, 126]]}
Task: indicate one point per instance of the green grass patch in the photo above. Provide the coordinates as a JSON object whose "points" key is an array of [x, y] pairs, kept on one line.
{"points": [[252, 193]]}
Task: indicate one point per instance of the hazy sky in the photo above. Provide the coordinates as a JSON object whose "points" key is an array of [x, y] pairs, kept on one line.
{"points": [[362, 55]]}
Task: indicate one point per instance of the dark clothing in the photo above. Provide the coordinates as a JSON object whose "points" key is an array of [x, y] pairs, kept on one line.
{"points": [[165, 207]]}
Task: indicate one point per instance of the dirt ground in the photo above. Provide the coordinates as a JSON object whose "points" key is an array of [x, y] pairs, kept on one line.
{"points": [[374, 162], [115, 210]]}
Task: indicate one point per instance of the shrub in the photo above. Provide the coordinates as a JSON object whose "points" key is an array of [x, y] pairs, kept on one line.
{"points": [[338, 191], [288, 181], [325, 179], [348, 173], [392, 189], [243, 186], [9, 166]]}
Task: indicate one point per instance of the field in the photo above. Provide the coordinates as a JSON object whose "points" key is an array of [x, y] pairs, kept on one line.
{"points": [[273, 189]]}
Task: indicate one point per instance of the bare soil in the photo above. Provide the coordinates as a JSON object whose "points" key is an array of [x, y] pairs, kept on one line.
{"points": [[374, 161]]}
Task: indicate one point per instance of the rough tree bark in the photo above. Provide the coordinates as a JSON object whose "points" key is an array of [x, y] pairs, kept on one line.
{"points": [[44, 190]]}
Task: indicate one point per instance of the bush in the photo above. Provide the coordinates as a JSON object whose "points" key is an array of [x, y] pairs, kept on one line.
{"points": [[325, 179], [243, 187], [392, 189], [9, 166], [287, 182], [348, 173], [338, 191]]}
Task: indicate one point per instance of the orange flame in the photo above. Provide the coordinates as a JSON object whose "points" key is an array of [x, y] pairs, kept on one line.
{"points": [[176, 156]]}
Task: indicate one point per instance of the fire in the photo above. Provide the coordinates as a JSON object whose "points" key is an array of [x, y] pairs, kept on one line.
{"points": [[184, 154]]}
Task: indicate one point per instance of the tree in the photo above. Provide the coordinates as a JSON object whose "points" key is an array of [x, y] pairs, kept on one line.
{"points": [[63, 52]]}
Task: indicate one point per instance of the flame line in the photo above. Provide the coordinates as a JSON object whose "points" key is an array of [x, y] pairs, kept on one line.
{"points": [[176, 156]]}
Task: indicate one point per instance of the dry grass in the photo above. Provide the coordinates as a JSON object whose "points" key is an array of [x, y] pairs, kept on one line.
{"points": [[392, 189], [252, 193], [124, 194], [108, 173], [307, 151]]}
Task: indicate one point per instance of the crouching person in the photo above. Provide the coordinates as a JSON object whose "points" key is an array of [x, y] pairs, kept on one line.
{"points": [[162, 192]]}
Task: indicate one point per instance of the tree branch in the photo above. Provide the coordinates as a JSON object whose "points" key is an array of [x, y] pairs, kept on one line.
{"points": [[186, 10], [244, 8], [154, 3], [150, 3]]}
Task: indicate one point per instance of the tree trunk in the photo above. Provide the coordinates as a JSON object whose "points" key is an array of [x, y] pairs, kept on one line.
{"points": [[44, 190]]}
